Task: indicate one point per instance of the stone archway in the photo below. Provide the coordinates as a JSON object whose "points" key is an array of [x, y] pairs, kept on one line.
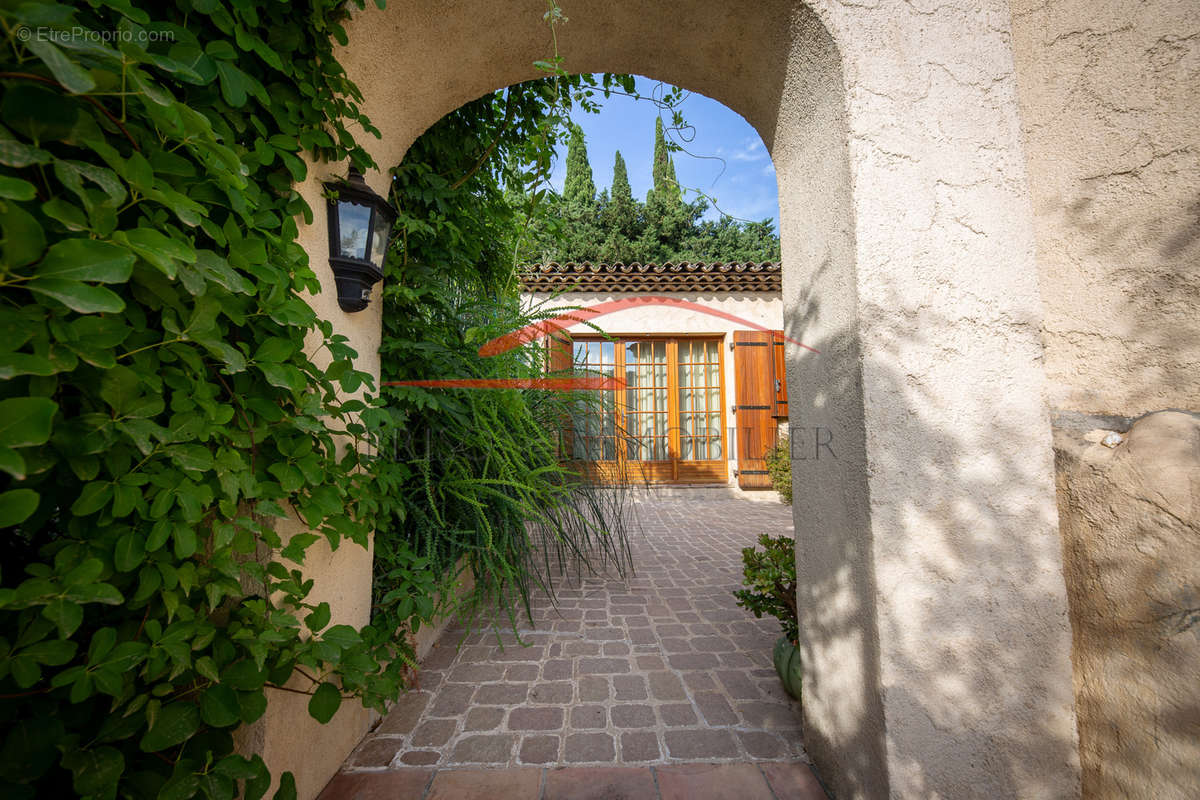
{"points": [[934, 614]]}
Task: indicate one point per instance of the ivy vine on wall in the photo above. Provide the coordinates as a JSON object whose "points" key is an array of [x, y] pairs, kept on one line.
{"points": [[157, 407]]}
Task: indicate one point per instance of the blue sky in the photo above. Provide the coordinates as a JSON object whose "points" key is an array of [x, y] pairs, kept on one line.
{"points": [[728, 161]]}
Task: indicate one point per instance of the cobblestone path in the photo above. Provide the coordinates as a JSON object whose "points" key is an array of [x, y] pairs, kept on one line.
{"points": [[660, 669]]}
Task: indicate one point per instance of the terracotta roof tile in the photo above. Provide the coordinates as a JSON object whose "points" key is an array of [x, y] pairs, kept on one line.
{"points": [[684, 276]]}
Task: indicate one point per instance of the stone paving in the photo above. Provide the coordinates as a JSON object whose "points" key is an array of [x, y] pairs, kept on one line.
{"points": [[661, 668]]}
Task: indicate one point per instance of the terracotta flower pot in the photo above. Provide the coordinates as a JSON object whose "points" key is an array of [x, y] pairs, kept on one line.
{"points": [[787, 664]]}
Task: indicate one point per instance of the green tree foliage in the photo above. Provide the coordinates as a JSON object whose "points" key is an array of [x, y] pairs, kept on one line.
{"points": [[666, 185], [578, 187], [617, 228], [621, 192]]}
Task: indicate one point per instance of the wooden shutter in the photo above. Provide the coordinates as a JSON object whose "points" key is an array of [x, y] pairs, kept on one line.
{"points": [[560, 361], [560, 356], [754, 392], [780, 377]]}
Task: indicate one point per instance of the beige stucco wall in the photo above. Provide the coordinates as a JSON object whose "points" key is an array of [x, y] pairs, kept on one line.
{"points": [[934, 621], [1131, 532], [1109, 96], [1109, 92], [760, 308]]}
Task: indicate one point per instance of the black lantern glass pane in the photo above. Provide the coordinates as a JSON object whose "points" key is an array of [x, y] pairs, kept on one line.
{"points": [[379, 240], [354, 223]]}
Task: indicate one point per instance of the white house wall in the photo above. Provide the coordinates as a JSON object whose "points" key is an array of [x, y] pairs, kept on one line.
{"points": [[760, 308]]}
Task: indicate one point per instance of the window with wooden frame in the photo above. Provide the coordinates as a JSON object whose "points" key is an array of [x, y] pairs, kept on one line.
{"points": [[667, 424]]}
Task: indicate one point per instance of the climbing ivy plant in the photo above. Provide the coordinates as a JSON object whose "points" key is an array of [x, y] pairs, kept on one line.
{"points": [[159, 415]]}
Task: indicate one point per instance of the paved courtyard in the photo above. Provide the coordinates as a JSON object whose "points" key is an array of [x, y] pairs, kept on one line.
{"points": [[662, 669]]}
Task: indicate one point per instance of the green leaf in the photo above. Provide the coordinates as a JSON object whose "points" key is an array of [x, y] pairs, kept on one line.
{"points": [[86, 572], [92, 498], [68, 73], [219, 706], [319, 618], [16, 189], [208, 668], [71, 216], [54, 653], [79, 296], [342, 635], [324, 702], [25, 421], [176, 723], [287, 787], [96, 771], [12, 463], [284, 376], [18, 154], [64, 613], [181, 787], [86, 260], [101, 644], [159, 250], [129, 552], [16, 506], [275, 349], [234, 84], [254, 705], [14, 364], [244, 676], [97, 593], [192, 457], [23, 237]]}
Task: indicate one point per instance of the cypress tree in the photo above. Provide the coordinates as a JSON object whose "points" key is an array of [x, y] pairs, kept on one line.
{"points": [[620, 183], [578, 185], [666, 186]]}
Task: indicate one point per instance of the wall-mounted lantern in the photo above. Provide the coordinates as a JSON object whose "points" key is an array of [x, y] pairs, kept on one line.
{"points": [[360, 224]]}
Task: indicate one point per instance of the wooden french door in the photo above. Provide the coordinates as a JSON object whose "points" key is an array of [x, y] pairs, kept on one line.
{"points": [[667, 425]]}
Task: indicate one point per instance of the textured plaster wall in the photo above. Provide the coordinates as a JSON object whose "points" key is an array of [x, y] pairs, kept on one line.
{"points": [[1130, 520], [1109, 93], [765, 309], [934, 621]]}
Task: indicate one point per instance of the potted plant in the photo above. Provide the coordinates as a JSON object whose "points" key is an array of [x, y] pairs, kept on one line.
{"points": [[770, 578]]}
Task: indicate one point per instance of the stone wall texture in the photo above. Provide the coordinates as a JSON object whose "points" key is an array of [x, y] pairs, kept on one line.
{"points": [[1109, 92], [1130, 519]]}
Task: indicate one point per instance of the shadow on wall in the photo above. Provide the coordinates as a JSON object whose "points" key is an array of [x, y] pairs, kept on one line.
{"points": [[1131, 529], [975, 699], [1153, 330]]}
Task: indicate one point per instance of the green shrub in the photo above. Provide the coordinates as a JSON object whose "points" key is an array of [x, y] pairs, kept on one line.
{"points": [[770, 577], [779, 466], [159, 409]]}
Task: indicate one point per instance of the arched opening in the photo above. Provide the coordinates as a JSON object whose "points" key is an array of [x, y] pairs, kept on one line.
{"points": [[933, 611]]}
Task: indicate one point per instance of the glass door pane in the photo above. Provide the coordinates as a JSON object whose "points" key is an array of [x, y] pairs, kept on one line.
{"points": [[646, 400], [699, 400], [594, 423]]}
